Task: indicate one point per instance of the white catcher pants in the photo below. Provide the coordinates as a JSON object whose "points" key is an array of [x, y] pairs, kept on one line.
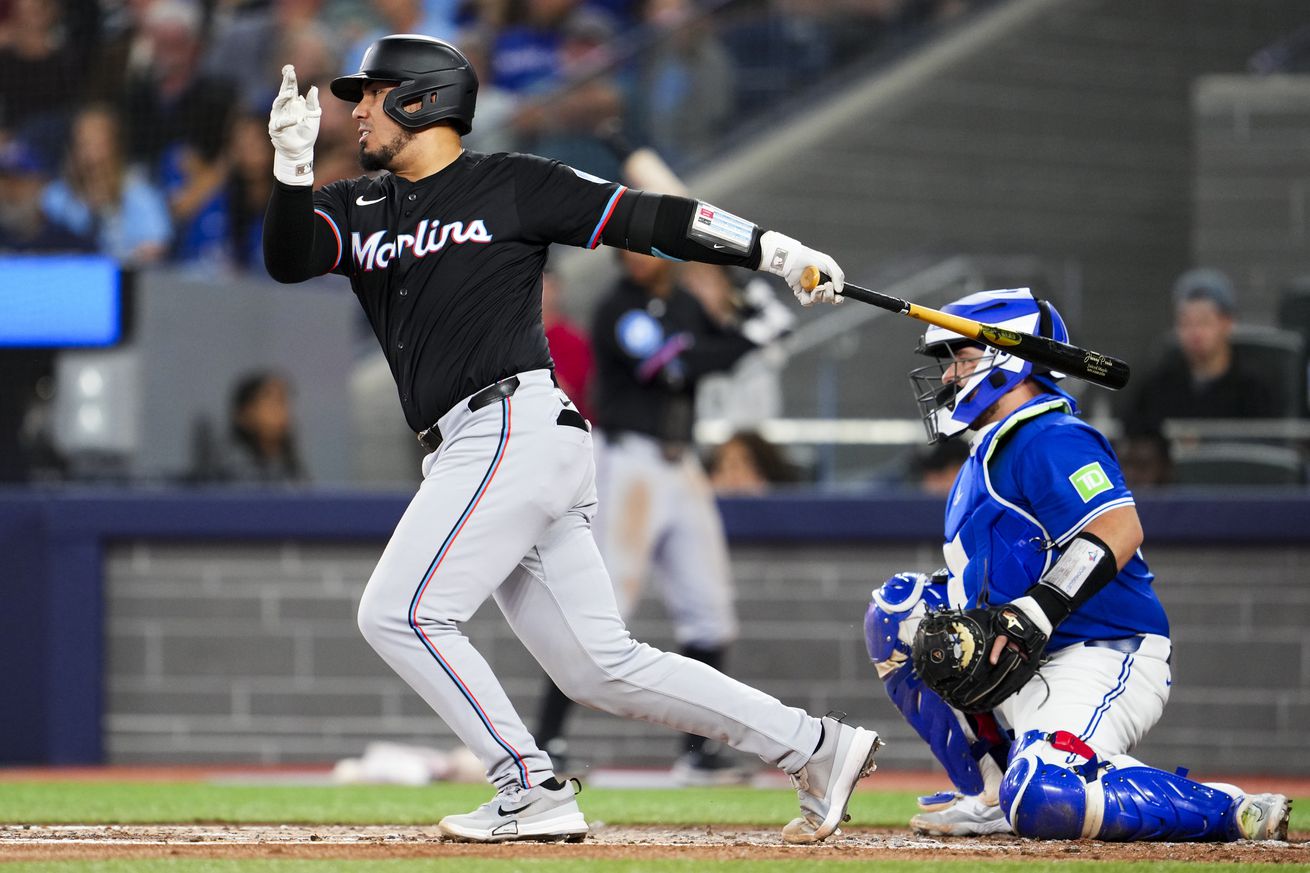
{"points": [[1106, 696], [505, 511]]}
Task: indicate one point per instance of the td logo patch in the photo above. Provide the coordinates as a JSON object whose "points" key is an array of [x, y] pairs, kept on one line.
{"points": [[1090, 481]]}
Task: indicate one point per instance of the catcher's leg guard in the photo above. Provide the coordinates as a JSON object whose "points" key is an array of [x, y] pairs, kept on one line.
{"points": [[1121, 800]]}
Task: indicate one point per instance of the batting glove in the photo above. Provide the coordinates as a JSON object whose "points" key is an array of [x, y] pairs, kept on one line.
{"points": [[788, 258], [293, 127]]}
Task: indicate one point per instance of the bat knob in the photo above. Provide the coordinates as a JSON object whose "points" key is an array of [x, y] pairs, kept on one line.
{"points": [[810, 278]]}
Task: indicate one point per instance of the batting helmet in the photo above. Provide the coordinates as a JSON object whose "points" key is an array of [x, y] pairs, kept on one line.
{"points": [[428, 71]]}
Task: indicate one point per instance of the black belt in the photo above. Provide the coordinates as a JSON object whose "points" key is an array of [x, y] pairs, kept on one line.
{"points": [[430, 439]]}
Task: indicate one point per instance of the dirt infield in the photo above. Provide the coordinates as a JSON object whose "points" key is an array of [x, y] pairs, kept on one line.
{"points": [[74, 842]]}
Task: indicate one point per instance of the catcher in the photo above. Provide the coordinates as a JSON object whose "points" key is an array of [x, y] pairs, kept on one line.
{"points": [[1040, 656]]}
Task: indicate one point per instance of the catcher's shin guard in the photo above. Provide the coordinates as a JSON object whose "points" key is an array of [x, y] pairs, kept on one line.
{"points": [[1095, 800]]}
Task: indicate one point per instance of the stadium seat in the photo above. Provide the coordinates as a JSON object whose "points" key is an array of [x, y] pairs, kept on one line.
{"points": [[1237, 464], [1294, 314], [1280, 353]]}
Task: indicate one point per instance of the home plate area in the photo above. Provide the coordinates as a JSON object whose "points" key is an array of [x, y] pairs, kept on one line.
{"points": [[721, 842]]}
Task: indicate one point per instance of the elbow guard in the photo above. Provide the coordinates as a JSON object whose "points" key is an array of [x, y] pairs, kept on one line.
{"points": [[1087, 565], [682, 229]]}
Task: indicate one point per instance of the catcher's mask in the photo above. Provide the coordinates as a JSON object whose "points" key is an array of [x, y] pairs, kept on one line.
{"points": [[428, 72], [951, 396]]}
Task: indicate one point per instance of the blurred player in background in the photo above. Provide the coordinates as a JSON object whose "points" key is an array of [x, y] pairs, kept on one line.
{"points": [[1042, 533], [653, 342], [445, 252]]}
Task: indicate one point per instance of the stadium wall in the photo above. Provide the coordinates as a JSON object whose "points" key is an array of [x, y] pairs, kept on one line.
{"points": [[198, 627]]}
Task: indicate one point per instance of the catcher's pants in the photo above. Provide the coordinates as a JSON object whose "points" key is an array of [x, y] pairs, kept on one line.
{"points": [[504, 511], [1108, 693], [658, 517]]}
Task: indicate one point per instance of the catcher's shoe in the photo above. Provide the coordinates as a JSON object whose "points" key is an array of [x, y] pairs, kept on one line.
{"points": [[539, 813], [962, 816], [826, 782], [1264, 816]]}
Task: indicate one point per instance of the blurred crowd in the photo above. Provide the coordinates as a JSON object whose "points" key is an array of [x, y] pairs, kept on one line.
{"points": [[136, 128]]}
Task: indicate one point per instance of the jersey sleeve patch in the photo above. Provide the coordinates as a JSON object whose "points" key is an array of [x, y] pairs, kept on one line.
{"points": [[1090, 480]]}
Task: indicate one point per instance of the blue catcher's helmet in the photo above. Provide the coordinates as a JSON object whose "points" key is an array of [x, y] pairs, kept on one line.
{"points": [[949, 408]]}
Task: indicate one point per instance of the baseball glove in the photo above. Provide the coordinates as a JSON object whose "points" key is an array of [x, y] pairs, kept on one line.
{"points": [[951, 654]]}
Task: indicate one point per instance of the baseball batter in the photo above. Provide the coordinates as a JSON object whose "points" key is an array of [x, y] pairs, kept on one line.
{"points": [[1064, 641], [653, 341], [445, 250]]}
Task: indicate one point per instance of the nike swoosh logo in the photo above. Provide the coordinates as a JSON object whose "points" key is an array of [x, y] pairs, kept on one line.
{"points": [[508, 812], [717, 246], [360, 201]]}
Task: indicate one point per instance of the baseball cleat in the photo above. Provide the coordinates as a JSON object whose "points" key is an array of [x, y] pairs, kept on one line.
{"points": [[1264, 817], [826, 782], [539, 813], [965, 816]]}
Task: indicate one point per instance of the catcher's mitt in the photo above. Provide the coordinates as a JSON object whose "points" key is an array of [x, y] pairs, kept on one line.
{"points": [[951, 650]]}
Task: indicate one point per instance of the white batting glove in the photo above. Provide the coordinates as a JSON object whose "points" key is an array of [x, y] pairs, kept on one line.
{"points": [[293, 127], [769, 318], [788, 258]]}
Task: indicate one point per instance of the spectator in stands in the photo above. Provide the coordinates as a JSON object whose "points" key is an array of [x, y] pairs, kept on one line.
{"points": [[1203, 376], [686, 86], [563, 122], [248, 45], [570, 347], [100, 197], [496, 106], [428, 17], [247, 190], [24, 225], [746, 464], [170, 101], [260, 447], [525, 57], [38, 73]]}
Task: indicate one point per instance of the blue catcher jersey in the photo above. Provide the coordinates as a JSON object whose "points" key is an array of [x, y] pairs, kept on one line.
{"points": [[1032, 482]]}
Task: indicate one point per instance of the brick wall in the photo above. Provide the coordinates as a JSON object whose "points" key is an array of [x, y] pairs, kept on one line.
{"points": [[240, 653]]}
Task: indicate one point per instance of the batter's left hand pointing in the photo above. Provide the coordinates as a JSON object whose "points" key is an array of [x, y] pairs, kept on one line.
{"points": [[293, 128], [788, 258]]}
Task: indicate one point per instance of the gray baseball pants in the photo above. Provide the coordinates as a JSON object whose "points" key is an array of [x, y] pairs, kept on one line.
{"points": [[505, 511]]}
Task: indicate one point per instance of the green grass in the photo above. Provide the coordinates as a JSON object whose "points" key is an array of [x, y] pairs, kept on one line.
{"points": [[182, 802]]}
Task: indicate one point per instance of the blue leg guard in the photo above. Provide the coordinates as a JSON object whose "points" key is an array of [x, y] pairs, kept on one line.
{"points": [[1044, 801], [959, 742], [1047, 799], [1143, 803]]}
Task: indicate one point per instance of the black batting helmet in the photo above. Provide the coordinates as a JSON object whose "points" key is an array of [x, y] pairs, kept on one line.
{"points": [[429, 71]]}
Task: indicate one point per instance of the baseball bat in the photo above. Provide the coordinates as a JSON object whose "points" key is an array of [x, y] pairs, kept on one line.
{"points": [[1071, 360]]}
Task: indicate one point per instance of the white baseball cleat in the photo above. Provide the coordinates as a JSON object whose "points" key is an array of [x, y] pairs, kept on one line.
{"points": [[965, 816], [537, 813], [826, 782], [1264, 817]]}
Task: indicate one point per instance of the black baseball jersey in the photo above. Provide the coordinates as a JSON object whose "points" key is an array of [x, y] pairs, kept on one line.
{"points": [[650, 352], [448, 268]]}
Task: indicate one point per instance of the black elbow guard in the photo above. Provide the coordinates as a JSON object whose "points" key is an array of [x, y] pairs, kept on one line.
{"points": [[682, 229], [1087, 565]]}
